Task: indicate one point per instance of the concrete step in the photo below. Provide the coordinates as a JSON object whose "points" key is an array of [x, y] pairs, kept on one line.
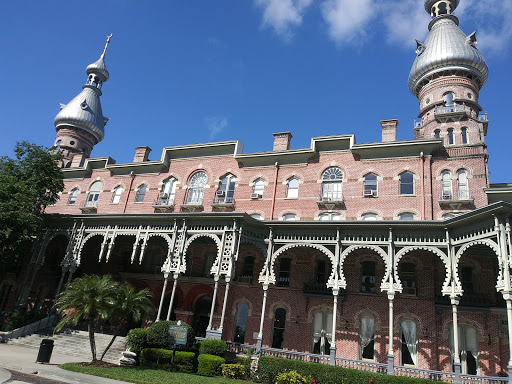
{"points": [[76, 343]]}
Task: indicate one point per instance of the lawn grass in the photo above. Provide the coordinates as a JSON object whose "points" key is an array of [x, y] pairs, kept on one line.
{"points": [[142, 375]]}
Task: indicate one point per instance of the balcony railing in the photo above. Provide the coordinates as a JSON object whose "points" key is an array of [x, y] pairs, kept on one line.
{"points": [[450, 109], [330, 200], [316, 289], [223, 202], [461, 196], [89, 206], [466, 300], [164, 204], [483, 117]]}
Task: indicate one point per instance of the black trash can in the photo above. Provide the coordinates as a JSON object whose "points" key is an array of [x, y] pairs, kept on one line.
{"points": [[45, 351]]}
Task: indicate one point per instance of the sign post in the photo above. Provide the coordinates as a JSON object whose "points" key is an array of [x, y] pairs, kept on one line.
{"points": [[177, 334]]}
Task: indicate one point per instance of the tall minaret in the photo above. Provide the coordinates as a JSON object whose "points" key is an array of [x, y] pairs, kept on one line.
{"points": [[446, 77], [80, 124]]}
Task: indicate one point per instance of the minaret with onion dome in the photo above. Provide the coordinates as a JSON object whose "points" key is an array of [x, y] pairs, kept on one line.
{"points": [[446, 77], [80, 124]]}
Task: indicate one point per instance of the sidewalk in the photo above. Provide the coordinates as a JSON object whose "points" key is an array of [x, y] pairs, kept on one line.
{"points": [[22, 359]]}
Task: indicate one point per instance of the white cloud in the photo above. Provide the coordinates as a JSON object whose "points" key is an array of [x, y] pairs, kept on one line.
{"points": [[283, 15], [348, 20], [493, 21], [407, 22], [215, 125]]}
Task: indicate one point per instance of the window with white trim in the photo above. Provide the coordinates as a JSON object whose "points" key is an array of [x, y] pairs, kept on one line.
{"points": [[292, 187], [72, 196], [321, 333], [406, 183], [367, 338], [226, 189], [116, 195], [196, 188], [141, 193], [289, 217], [370, 185], [329, 216], [462, 184], [168, 191], [408, 343], [332, 181], [258, 187], [406, 216], [369, 216], [446, 186], [94, 194]]}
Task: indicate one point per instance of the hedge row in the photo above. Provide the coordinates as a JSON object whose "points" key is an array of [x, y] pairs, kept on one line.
{"points": [[185, 362], [210, 365], [270, 367]]}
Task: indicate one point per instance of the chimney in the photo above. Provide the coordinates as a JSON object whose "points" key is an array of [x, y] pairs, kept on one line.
{"points": [[141, 154], [389, 129], [282, 141]]}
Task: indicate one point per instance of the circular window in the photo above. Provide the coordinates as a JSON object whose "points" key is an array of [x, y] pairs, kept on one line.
{"points": [[470, 96], [427, 101], [71, 142]]}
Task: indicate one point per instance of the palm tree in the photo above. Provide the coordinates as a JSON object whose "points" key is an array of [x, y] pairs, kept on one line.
{"points": [[90, 298], [128, 303]]}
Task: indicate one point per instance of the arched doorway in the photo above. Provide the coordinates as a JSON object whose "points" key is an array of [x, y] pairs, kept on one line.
{"points": [[202, 315]]}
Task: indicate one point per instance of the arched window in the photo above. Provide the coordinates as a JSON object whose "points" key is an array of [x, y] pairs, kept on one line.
{"points": [[196, 189], [464, 135], [448, 99], [446, 186], [462, 184], [437, 134], [141, 193], [329, 216], [226, 189], [407, 273], [257, 216], [451, 140], [408, 343], [407, 183], [468, 348], [289, 217], [406, 216], [116, 195], [321, 333], [278, 328], [292, 187], [72, 196], [370, 185], [332, 179], [240, 323], [367, 338], [257, 189], [94, 194], [369, 216], [168, 191]]}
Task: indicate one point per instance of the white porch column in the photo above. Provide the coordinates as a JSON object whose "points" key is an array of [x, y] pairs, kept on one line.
{"points": [[456, 357], [391, 356], [173, 293], [224, 305], [332, 360], [505, 246], [166, 277], [215, 289], [259, 341]]}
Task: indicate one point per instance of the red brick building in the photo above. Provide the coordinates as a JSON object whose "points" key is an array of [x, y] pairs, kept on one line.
{"points": [[394, 255]]}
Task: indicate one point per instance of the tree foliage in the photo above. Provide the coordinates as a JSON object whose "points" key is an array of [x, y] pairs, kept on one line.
{"points": [[28, 184], [97, 299]]}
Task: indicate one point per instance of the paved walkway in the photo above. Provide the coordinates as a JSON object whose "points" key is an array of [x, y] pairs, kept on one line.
{"points": [[19, 359]]}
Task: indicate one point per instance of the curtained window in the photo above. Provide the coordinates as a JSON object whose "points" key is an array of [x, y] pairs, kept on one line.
{"points": [[322, 333], [468, 349], [409, 343], [367, 338]]}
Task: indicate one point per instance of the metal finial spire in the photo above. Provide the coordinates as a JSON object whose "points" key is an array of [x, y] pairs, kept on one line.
{"points": [[106, 44]]}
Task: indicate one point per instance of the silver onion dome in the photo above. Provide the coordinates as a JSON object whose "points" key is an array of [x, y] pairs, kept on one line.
{"points": [[83, 112], [98, 67], [447, 49]]}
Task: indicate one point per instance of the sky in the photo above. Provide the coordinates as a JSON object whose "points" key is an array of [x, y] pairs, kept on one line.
{"points": [[195, 71]]}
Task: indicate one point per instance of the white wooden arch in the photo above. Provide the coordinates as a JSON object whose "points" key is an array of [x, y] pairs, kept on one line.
{"points": [[436, 251], [166, 237], [82, 245], [352, 248], [192, 238]]}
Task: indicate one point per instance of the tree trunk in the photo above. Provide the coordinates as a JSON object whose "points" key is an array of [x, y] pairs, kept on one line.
{"points": [[91, 340], [109, 345]]}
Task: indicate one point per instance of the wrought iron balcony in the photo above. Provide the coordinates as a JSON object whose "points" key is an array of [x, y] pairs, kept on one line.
{"points": [[89, 207], [330, 200], [164, 204], [462, 197], [223, 202]]}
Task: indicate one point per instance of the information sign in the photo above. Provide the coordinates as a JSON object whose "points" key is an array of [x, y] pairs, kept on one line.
{"points": [[178, 334]]}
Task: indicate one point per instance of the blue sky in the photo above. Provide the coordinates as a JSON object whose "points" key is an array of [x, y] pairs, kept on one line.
{"points": [[184, 72]]}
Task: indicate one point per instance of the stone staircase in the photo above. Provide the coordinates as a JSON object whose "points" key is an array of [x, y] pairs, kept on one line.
{"points": [[76, 343]]}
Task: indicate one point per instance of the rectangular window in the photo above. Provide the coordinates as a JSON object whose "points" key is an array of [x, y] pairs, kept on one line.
{"points": [[408, 278], [368, 277], [466, 272], [284, 272]]}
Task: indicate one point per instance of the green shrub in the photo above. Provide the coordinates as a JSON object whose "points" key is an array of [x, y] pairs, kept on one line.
{"points": [[212, 347], [158, 336], [161, 358], [292, 377], [233, 371], [210, 365], [246, 362], [137, 339], [270, 367]]}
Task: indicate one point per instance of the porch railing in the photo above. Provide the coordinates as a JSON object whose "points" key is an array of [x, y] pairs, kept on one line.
{"points": [[294, 355], [362, 365], [46, 322]]}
